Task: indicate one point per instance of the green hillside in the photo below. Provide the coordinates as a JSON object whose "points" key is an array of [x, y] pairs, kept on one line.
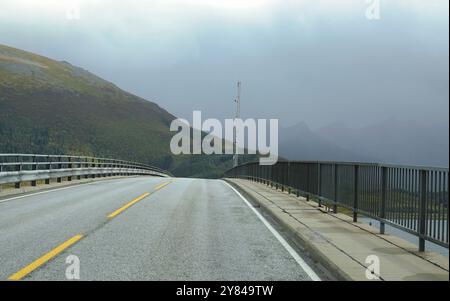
{"points": [[53, 107]]}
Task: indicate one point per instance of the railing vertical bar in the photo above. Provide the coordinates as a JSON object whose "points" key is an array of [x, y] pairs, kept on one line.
{"points": [[307, 181], [422, 211], [400, 196], [355, 192], [319, 189], [439, 203], [335, 188], [434, 218], [403, 217], [408, 189], [447, 191], [383, 200]]}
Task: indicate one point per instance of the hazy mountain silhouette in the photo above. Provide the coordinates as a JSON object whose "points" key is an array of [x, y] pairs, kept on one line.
{"points": [[299, 142], [391, 141], [394, 141]]}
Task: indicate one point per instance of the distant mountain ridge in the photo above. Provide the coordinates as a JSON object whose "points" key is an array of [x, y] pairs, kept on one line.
{"points": [[394, 141], [53, 107], [390, 141], [299, 142]]}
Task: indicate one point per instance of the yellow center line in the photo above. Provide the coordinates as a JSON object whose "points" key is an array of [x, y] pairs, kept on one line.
{"points": [[45, 258], [37, 263], [162, 185], [123, 208]]}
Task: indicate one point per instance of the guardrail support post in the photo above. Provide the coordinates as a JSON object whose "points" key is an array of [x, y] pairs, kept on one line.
{"points": [[355, 192], [383, 199], [49, 167], [79, 165], [59, 180], [422, 210], [34, 167], [69, 178], [18, 168], [93, 166], [86, 166]]}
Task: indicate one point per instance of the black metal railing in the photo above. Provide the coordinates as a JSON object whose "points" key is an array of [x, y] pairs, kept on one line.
{"points": [[413, 199]]}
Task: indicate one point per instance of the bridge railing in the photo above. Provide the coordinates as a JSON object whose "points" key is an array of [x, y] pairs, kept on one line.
{"points": [[18, 168], [413, 199]]}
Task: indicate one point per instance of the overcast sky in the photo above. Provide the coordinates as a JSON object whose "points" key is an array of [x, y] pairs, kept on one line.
{"points": [[318, 61]]}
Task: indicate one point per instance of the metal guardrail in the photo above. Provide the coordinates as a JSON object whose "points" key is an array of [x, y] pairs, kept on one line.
{"points": [[18, 168], [413, 199]]}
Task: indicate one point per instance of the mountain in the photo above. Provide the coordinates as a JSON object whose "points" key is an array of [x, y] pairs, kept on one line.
{"points": [[53, 107], [394, 141], [299, 142], [390, 141]]}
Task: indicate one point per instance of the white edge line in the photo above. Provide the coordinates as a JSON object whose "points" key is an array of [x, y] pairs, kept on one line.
{"points": [[277, 235], [74, 185], [41, 192]]}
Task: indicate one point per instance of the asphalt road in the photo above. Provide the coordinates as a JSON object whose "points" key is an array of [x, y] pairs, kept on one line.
{"points": [[185, 229]]}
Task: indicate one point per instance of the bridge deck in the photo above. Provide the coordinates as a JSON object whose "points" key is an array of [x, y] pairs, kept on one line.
{"points": [[141, 229]]}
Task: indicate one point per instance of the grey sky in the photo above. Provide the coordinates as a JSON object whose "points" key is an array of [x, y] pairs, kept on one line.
{"points": [[318, 61]]}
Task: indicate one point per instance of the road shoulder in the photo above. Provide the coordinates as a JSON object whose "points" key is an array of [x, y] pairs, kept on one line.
{"points": [[13, 193]]}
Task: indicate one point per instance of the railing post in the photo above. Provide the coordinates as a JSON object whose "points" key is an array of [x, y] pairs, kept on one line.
{"points": [[79, 165], [355, 192], [307, 181], [422, 210], [58, 179], [93, 166], [49, 167], [85, 165], [335, 195], [69, 178], [288, 180], [18, 168], [319, 184], [105, 165], [34, 167], [383, 199]]}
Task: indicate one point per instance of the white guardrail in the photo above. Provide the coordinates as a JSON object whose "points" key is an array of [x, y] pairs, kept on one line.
{"points": [[18, 168]]}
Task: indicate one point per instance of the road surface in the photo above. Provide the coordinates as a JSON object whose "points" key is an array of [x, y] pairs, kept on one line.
{"points": [[143, 228]]}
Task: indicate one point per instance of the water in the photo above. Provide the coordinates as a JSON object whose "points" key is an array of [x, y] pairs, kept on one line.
{"points": [[429, 246]]}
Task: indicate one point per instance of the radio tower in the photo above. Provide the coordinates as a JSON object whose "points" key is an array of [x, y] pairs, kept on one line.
{"points": [[238, 113]]}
